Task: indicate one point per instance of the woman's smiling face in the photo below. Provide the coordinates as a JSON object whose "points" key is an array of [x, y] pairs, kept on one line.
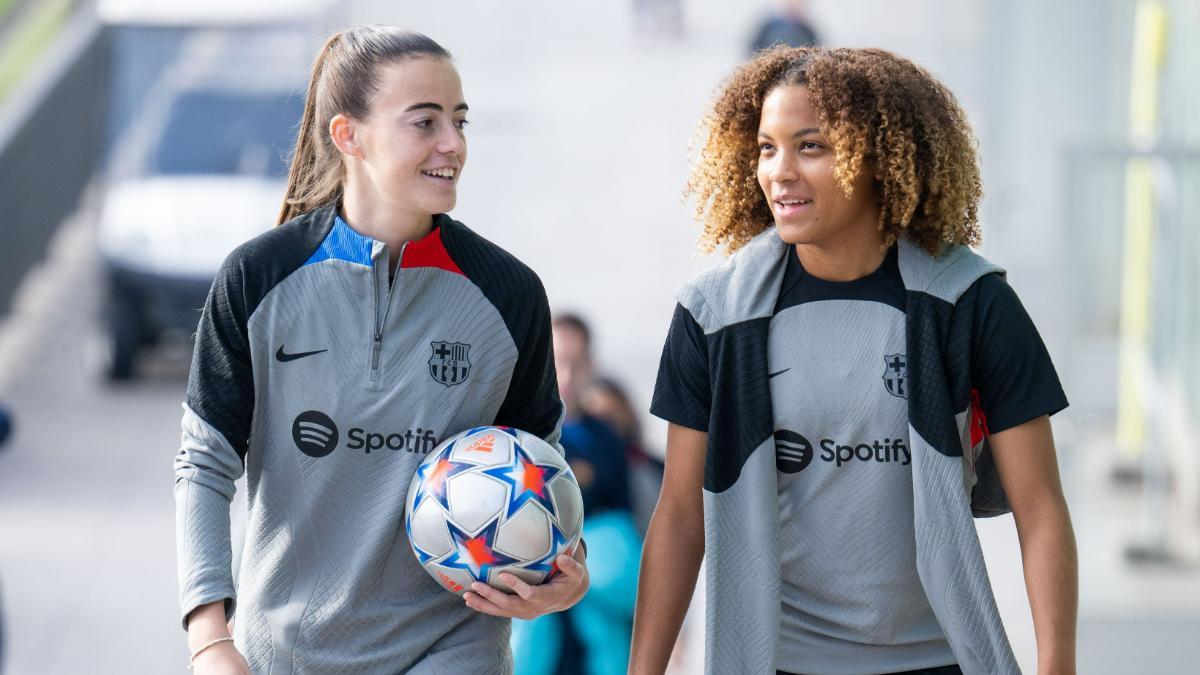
{"points": [[413, 142], [795, 172]]}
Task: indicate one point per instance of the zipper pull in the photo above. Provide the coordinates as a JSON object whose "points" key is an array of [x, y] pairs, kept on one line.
{"points": [[375, 351]]}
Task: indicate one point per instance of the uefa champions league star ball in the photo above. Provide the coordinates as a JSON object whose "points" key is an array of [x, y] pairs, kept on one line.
{"points": [[492, 500]]}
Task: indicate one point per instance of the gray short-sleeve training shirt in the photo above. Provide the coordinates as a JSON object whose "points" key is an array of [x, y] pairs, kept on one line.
{"points": [[851, 599]]}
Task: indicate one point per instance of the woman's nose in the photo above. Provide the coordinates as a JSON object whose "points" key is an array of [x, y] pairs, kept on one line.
{"points": [[782, 171], [452, 140]]}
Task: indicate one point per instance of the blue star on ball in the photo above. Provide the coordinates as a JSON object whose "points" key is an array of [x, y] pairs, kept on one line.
{"points": [[474, 552], [527, 480], [434, 479]]}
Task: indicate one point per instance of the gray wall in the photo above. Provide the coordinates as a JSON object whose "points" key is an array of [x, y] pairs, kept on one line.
{"points": [[51, 137]]}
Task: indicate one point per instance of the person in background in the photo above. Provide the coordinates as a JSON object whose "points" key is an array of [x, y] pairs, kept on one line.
{"points": [[594, 450], [593, 637], [606, 400], [789, 26], [5, 425]]}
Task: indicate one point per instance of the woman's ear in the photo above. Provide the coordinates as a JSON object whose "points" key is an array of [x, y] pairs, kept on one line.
{"points": [[342, 133]]}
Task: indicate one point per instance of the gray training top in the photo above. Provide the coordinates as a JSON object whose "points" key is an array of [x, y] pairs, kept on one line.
{"points": [[327, 385]]}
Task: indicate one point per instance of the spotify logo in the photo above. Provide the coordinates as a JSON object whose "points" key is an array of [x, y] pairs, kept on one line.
{"points": [[793, 452], [314, 433]]}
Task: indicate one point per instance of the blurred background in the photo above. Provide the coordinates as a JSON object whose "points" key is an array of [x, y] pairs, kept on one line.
{"points": [[127, 128]]}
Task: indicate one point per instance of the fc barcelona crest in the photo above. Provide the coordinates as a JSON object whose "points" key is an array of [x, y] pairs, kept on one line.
{"points": [[895, 375], [449, 364]]}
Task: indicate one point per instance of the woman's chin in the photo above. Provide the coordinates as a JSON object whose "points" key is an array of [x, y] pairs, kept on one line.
{"points": [[794, 233], [442, 204]]}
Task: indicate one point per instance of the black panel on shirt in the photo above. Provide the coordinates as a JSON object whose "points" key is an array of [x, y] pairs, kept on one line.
{"points": [[532, 403], [681, 392], [1010, 365], [883, 285], [221, 382], [696, 381], [737, 351], [995, 346], [935, 349]]}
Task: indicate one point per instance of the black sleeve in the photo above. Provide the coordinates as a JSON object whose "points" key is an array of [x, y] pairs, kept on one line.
{"points": [[682, 393], [532, 402], [1010, 366], [221, 381]]}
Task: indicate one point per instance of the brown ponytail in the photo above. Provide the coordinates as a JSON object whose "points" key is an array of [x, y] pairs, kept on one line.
{"points": [[342, 81]]}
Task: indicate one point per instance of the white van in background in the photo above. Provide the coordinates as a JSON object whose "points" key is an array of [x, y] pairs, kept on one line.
{"points": [[206, 100]]}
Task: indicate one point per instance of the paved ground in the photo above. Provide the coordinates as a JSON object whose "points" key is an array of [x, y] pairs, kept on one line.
{"points": [[578, 150]]}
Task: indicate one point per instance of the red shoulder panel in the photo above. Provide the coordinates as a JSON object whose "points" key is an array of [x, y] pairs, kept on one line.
{"points": [[429, 251]]}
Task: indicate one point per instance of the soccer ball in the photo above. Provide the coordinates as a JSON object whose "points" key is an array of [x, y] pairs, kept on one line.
{"points": [[492, 500]]}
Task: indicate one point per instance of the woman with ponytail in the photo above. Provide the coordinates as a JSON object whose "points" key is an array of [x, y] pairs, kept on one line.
{"points": [[332, 330]]}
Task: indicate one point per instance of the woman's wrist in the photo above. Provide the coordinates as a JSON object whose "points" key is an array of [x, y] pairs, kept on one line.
{"points": [[205, 624], [211, 645]]}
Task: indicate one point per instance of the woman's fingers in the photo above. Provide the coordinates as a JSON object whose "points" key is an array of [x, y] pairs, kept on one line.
{"points": [[527, 601]]}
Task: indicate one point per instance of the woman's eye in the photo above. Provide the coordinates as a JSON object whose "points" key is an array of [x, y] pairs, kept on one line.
{"points": [[423, 124], [462, 124], [809, 145], [765, 147]]}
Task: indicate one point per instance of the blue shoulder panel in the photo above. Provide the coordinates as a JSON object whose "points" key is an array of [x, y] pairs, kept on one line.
{"points": [[343, 243]]}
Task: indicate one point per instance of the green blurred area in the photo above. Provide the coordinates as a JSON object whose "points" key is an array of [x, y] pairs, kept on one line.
{"points": [[29, 39], [6, 6]]}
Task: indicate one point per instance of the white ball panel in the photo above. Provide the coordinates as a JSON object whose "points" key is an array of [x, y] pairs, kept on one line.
{"points": [[540, 451], [568, 503], [526, 535], [428, 529], [475, 499]]}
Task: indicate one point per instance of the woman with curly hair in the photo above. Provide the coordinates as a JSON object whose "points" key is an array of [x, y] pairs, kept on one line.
{"points": [[847, 390]]}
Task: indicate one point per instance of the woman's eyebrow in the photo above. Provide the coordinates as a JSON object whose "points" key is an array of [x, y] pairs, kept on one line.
{"points": [[434, 106], [802, 132]]}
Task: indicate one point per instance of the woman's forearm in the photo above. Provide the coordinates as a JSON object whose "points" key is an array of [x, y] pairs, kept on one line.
{"points": [[1051, 569], [670, 563]]}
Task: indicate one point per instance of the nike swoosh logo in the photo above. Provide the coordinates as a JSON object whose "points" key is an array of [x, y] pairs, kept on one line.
{"points": [[778, 372], [284, 357]]}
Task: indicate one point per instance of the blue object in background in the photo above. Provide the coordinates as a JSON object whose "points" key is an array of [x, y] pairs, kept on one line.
{"points": [[603, 620], [5, 425]]}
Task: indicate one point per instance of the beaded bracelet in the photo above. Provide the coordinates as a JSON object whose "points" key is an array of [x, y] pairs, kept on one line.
{"points": [[206, 645]]}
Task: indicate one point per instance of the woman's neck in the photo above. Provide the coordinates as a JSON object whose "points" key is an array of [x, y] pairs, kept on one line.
{"points": [[368, 213], [844, 260]]}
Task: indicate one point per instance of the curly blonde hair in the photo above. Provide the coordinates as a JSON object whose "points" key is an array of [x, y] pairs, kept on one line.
{"points": [[875, 108]]}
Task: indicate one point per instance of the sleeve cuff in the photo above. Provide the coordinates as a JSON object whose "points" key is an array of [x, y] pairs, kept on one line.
{"points": [[695, 421], [1003, 423], [199, 600]]}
